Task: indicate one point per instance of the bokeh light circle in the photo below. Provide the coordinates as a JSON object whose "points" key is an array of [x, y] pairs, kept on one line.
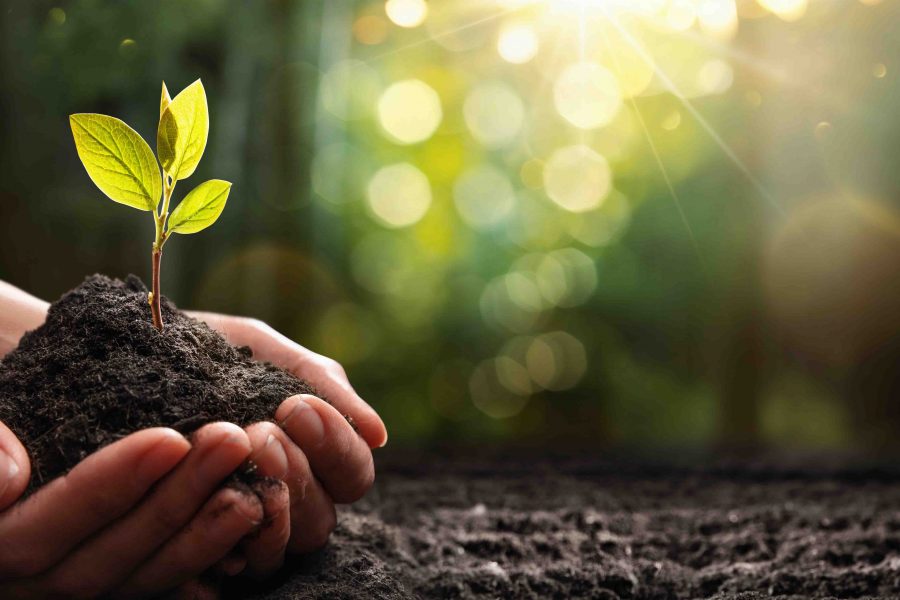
{"points": [[587, 95], [409, 111], [556, 361], [577, 178], [406, 13], [681, 14], [789, 10], [511, 302], [715, 77], [483, 196], [604, 225], [566, 277], [490, 395], [517, 43], [494, 113], [399, 195]]}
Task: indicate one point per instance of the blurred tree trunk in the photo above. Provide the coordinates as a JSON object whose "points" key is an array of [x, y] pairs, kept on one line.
{"points": [[741, 356]]}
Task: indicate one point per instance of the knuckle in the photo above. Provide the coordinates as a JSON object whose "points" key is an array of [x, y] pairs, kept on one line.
{"points": [[240, 323], [330, 365], [338, 370], [255, 324]]}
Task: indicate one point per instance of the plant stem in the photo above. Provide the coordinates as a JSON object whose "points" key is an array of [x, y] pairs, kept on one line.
{"points": [[155, 306], [155, 297]]}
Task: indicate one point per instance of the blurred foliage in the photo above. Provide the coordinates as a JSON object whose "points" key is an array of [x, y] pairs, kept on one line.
{"points": [[650, 222]]}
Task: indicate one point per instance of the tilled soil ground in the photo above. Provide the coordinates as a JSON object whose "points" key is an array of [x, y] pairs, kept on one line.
{"points": [[564, 529]]}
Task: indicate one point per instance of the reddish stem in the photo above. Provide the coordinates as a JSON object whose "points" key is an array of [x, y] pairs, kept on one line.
{"points": [[155, 307]]}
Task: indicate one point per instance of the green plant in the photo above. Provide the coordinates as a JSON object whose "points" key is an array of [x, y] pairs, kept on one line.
{"points": [[121, 164]]}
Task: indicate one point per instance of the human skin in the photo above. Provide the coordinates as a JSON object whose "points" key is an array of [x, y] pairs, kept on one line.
{"points": [[147, 514]]}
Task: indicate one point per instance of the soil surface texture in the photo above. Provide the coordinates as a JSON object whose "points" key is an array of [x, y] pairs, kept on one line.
{"points": [[500, 529], [98, 370]]}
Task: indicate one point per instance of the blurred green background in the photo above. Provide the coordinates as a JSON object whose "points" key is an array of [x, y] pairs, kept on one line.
{"points": [[647, 223]]}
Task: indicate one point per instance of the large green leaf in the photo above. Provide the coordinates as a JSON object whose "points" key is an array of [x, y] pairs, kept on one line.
{"points": [[201, 207], [117, 159], [182, 133]]}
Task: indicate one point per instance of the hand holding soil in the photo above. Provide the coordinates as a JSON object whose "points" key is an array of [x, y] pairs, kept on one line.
{"points": [[148, 512]]}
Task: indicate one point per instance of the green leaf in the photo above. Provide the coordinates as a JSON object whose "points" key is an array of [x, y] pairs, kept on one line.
{"points": [[182, 133], [201, 207], [164, 100], [117, 159]]}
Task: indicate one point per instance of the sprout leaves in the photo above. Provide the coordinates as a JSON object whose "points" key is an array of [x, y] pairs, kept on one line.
{"points": [[183, 130], [122, 165], [164, 100], [117, 159], [200, 208]]}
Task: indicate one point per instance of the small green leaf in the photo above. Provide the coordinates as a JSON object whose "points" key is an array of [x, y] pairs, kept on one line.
{"points": [[117, 159], [183, 130], [164, 100], [201, 207]]}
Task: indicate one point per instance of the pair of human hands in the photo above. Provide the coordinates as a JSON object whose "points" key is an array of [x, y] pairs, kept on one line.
{"points": [[148, 514]]}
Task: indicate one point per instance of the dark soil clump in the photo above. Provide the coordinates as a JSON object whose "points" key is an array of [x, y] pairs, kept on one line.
{"points": [[514, 529], [98, 370]]}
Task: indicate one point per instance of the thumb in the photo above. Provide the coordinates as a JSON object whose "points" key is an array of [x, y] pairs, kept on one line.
{"points": [[15, 468]]}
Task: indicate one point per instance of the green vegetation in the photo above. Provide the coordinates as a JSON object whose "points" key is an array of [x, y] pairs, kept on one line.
{"points": [[122, 165]]}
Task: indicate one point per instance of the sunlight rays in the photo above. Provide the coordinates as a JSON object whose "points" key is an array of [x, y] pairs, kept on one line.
{"points": [[431, 38], [688, 105], [676, 200]]}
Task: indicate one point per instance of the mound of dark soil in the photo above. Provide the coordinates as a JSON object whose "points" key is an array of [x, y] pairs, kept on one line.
{"points": [[98, 370], [489, 529]]}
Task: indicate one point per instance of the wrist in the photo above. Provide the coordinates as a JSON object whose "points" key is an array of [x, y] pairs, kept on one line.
{"points": [[19, 313]]}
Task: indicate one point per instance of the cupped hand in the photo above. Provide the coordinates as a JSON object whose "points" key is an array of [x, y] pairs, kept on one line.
{"points": [[325, 374], [313, 448], [138, 517]]}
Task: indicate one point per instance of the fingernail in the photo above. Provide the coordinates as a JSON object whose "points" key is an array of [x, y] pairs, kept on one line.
{"points": [[211, 468], [272, 458], [305, 419], [161, 458]]}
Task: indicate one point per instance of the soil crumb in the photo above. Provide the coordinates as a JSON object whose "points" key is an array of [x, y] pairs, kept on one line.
{"points": [[487, 529], [98, 370]]}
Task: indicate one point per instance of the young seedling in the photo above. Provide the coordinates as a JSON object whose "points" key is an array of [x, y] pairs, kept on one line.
{"points": [[121, 164]]}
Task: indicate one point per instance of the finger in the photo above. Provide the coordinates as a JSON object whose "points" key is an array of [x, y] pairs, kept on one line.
{"points": [[324, 373], [264, 549], [15, 468], [340, 459], [312, 514], [267, 454], [219, 526], [331, 381], [107, 559], [44, 528]]}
